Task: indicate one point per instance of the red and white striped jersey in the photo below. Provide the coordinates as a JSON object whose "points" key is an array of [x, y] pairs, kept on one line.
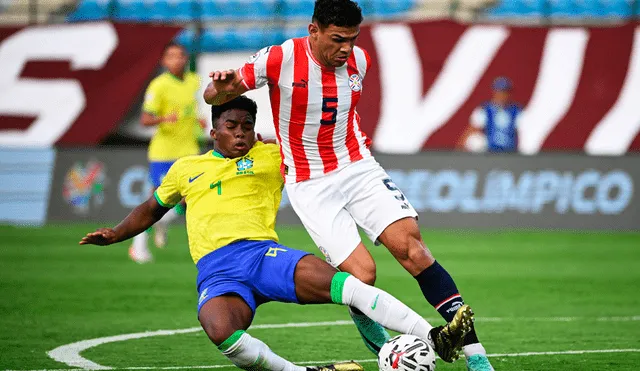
{"points": [[314, 107]]}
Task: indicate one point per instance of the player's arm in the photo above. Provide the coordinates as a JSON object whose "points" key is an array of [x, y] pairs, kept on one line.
{"points": [[225, 86], [138, 221], [153, 104], [149, 119], [228, 84]]}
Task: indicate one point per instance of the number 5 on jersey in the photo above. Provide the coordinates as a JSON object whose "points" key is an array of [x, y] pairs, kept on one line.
{"points": [[329, 111]]}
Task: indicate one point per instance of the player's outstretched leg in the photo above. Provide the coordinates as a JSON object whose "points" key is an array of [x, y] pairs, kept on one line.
{"points": [[404, 241], [318, 282], [225, 319], [362, 266]]}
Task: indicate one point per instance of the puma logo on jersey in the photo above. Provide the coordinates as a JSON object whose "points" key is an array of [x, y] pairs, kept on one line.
{"points": [[302, 84]]}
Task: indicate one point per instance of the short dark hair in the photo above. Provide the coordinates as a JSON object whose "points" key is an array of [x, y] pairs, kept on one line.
{"points": [[341, 13], [242, 102]]}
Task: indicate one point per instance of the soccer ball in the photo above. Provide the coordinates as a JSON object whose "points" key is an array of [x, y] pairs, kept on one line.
{"points": [[406, 353]]}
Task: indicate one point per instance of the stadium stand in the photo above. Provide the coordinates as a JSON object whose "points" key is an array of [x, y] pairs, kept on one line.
{"points": [[517, 8], [598, 10], [227, 25], [18, 12], [239, 24]]}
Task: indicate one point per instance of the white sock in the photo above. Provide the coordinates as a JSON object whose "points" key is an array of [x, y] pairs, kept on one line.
{"points": [[170, 216], [140, 243], [249, 353], [380, 306], [473, 349]]}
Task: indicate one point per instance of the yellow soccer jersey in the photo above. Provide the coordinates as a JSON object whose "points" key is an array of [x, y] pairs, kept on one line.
{"points": [[227, 199], [166, 95]]}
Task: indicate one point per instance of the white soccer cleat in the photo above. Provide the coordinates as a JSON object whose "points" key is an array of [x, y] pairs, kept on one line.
{"points": [[140, 256]]}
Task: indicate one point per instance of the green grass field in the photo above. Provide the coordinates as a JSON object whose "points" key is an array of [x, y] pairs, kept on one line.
{"points": [[531, 291]]}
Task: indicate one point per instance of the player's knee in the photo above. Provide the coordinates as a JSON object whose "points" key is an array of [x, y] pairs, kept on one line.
{"points": [[361, 265], [216, 331], [366, 274], [410, 249], [420, 256]]}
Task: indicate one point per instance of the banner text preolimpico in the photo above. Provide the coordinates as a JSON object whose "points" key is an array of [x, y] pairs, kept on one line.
{"points": [[448, 190]]}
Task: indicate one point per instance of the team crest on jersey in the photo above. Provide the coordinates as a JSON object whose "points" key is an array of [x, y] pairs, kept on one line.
{"points": [[255, 57], [244, 166], [355, 83]]}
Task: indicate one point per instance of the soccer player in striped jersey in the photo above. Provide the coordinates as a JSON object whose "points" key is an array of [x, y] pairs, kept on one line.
{"points": [[233, 193], [333, 182]]}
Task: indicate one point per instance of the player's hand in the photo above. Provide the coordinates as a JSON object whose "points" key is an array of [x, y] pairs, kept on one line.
{"points": [[266, 141], [171, 118], [222, 75], [224, 81], [101, 237], [224, 86]]}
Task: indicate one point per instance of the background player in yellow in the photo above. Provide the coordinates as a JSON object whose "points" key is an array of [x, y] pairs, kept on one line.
{"points": [[233, 193], [170, 105]]}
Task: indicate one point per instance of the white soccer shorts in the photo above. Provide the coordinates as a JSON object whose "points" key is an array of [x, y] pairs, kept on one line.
{"points": [[333, 206]]}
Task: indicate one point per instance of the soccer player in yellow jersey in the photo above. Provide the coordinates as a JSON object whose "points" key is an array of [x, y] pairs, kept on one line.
{"points": [[170, 105], [233, 195]]}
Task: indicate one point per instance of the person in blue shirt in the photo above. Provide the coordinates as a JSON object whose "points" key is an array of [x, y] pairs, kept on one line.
{"points": [[493, 126]]}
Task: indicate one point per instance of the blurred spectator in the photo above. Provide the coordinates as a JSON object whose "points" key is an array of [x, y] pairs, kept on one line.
{"points": [[493, 125], [170, 105]]}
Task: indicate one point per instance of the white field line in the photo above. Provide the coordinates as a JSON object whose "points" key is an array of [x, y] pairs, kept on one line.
{"points": [[69, 354], [372, 360]]}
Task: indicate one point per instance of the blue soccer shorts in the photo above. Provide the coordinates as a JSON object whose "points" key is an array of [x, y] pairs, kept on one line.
{"points": [[157, 171], [256, 271]]}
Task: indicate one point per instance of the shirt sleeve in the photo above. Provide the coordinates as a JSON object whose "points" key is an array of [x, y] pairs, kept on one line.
{"points": [[254, 72], [368, 59], [153, 98], [168, 194], [478, 118], [362, 61]]}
